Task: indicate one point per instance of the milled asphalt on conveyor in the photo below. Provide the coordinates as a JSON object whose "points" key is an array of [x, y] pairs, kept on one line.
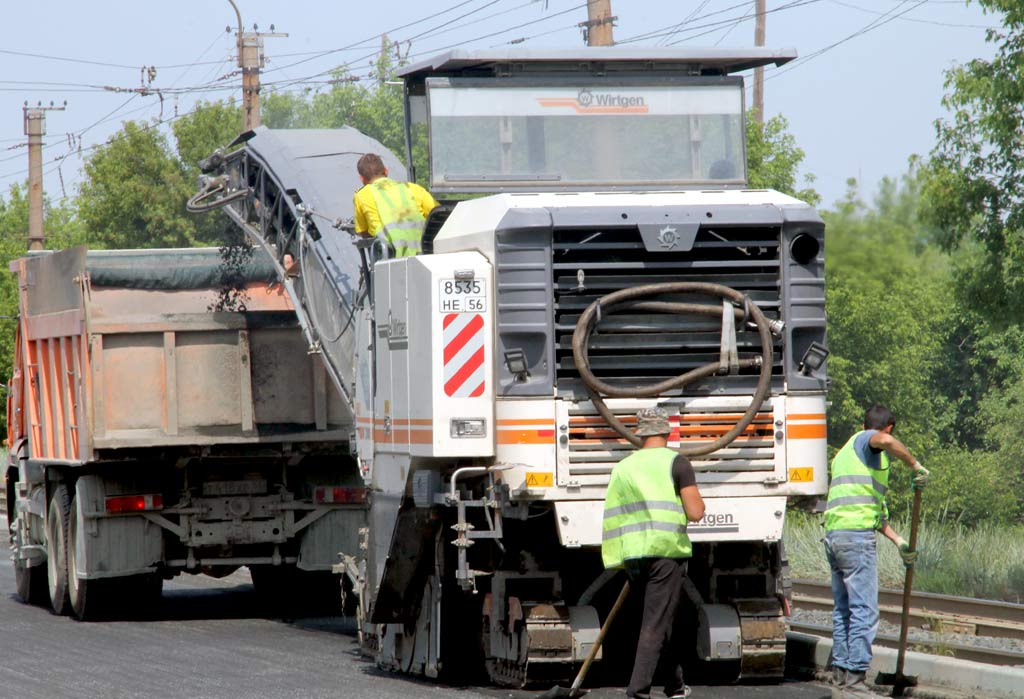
{"points": [[210, 640]]}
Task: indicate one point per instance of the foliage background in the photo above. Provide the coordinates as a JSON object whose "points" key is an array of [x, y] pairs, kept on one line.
{"points": [[924, 283]]}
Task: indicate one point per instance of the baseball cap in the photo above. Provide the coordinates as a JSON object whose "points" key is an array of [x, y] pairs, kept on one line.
{"points": [[651, 422]]}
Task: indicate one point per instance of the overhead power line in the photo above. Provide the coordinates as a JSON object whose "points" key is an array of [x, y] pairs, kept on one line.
{"points": [[329, 52], [887, 17], [919, 20]]}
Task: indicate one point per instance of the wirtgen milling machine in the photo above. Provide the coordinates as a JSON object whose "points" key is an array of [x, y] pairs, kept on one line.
{"points": [[598, 251]]}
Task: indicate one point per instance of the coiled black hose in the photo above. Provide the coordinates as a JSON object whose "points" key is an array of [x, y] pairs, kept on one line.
{"points": [[630, 299]]}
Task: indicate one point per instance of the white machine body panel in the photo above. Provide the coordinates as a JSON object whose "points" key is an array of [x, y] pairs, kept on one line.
{"points": [[806, 445], [725, 519], [525, 452], [434, 356], [471, 225]]}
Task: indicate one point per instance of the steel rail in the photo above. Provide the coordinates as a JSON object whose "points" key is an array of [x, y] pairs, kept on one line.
{"points": [[942, 613], [961, 651]]}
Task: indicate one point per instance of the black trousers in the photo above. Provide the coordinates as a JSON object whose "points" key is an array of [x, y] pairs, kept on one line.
{"points": [[660, 580]]}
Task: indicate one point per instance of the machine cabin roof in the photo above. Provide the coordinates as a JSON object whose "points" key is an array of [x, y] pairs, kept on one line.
{"points": [[605, 59]]}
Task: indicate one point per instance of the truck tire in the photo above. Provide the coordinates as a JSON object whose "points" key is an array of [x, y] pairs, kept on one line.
{"points": [[85, 595], [31, 583], [57, 550]]}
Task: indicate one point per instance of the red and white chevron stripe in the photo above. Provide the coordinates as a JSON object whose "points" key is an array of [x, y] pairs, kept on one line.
{"points": [[464, 355]]}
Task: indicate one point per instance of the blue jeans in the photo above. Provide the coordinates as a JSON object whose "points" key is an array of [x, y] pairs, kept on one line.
{"points": [[854, 562]]}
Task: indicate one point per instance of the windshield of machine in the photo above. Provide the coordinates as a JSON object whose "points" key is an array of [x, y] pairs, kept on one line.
{"points": [[554, 137]]}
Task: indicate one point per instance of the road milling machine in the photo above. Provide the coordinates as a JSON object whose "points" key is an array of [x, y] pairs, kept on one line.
{"points": [[597, 251]]}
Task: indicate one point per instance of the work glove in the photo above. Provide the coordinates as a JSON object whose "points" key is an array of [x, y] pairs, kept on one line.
{"points": [[921, 475], [909, 557]]}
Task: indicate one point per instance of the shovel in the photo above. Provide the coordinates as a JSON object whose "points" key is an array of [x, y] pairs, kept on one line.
{"points": [[898, 680], [557, 692]]}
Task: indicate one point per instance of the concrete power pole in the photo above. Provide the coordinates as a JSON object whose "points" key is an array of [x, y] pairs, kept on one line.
{"points": [[251, 60], [600, 21], [759, 8], [35, 129]]}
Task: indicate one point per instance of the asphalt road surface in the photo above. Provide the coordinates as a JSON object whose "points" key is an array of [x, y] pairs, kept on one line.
{"points": [[210, 639]]}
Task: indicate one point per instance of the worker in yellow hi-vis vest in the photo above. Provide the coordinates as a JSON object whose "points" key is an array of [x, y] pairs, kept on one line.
{"points": [[652, 494], [399, 210], [856, 509]]}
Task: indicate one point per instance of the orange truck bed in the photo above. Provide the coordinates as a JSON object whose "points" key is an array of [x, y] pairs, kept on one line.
{"points": [[121, 349]]}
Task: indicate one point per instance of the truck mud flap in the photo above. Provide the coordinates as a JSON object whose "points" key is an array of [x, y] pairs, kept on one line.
{"points": [[410, 561]]}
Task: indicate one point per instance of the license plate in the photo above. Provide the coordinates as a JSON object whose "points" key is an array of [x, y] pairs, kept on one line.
{"points": [[462, 295]]}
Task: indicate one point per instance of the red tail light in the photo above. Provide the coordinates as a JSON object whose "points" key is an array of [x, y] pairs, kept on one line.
{"points": [[339, 495], [121, 504]]}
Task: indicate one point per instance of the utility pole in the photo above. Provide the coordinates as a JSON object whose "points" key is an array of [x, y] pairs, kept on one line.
{"points": [[598, 27], [759, 9], [250, 60], [35, 129]]}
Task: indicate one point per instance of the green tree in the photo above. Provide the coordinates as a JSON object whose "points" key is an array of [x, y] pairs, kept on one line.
{"points": [[975, 190], [895, 320], [773, 158], [209, 126], [373, 107], [974, 193], [888, 302], [134, 192]]}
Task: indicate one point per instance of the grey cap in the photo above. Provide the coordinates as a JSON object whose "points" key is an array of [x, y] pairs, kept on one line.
{"points": [[651, 422]]}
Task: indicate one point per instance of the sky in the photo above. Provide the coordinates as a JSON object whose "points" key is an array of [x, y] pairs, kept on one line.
{"points": [[860, 101]]}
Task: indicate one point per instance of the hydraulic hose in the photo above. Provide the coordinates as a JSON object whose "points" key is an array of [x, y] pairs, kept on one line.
{"points": [[632, 299], [202, 201]]}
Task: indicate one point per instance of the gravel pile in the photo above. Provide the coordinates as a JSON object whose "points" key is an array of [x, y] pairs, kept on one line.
{"points": [[921, 638]]}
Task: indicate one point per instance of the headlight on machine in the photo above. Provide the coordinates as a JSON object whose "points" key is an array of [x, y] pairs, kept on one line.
{"points": [[471, 427]]}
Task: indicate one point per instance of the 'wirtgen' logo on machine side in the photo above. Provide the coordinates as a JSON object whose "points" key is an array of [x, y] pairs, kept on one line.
{"points": [[715, 523], [587, 101]]}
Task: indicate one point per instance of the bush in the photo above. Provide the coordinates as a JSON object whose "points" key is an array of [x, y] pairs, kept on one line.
{"points": [[954, 559]]}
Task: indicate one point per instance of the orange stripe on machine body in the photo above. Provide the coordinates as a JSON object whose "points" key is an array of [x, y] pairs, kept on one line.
{"points": [[811, 431], [728, 419], [518, 422], [806, 416], [403, 436], [525, 430], [526, 436]]}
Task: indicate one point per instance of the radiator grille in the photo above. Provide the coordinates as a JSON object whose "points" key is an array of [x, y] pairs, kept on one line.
{"points": [[645, 348], [595, 448]]}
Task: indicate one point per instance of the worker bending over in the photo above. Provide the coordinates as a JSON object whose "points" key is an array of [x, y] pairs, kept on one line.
{"points": [[398, 209], [652, 494], [855, 510]]}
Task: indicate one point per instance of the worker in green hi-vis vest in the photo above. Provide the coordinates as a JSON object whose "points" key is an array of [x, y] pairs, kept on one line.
{"points": [[399, 210], [855, 510], [652, 494]]}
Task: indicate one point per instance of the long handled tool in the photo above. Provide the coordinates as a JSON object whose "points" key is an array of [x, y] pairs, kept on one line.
{"points": [[898, 680], [557, 692]]}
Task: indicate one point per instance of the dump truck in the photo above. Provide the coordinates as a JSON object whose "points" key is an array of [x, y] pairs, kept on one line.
{"points": [[164, 417], [597, 251]]}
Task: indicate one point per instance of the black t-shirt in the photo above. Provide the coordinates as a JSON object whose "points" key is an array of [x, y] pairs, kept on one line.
{"points": [[683, 475]]}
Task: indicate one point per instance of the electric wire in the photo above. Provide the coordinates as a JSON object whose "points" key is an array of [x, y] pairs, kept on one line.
{"points": [[891, 15], [735, 24], [654, 33], [781, 8], [432, 50], [686, 19], [666, 31], [919, 20], [329, 52]]}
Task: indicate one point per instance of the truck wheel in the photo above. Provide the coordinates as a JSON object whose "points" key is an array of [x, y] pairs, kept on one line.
{"points": [[81, 592], [31, 583], [57, 550]]}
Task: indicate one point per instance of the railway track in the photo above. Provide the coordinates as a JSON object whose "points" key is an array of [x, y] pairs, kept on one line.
{"points": [[945, 614]]}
